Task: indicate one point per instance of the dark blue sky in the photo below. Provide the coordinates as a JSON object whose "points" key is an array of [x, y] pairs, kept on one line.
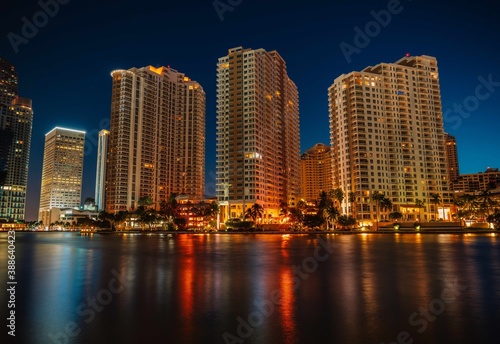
{"points": [[65, 67]]}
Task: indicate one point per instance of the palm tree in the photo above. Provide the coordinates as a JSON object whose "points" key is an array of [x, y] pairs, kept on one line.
{"points": [[352, 200], [331, 214], [436, 200], [323, 201], [385, 204], [346, 221], [120, 217], [495, 219], [419, 204], [284, 211], [112, 218], [170, 208], [212, 210], [296, 215], [467, 203], [378, 196], [486, 203], [145, 201], [461, 214], [255, 211], [337, 195], [148, 217], [302, 205], [396, 215]]}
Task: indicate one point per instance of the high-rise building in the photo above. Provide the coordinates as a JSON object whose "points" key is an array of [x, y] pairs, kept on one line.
{"points": [[452, 157], [258, 144], [8, 84], [61, 173], [157, 137], [100, 176], [386, 130], [16, 120], [316, 171]]}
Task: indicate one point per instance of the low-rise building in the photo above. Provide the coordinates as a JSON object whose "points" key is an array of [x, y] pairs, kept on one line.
{"points": [[476, 182]]}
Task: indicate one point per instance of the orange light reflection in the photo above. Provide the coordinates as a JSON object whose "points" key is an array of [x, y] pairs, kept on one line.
{"points": [[287, 301], [186, 280]]}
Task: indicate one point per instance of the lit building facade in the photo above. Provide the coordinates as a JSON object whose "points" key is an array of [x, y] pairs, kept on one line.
{"points": [[316, 171], [258, 142], [452, 158], [387, 135], [477, 182], [157, 137], [61, 173], [100, 176], [16, 120]]}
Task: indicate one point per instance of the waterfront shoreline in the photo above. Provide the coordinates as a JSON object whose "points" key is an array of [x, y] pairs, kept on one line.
{"points": [[334, 232]]}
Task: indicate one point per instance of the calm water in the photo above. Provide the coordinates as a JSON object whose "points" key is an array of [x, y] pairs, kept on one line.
{"points": [[200, 288]]}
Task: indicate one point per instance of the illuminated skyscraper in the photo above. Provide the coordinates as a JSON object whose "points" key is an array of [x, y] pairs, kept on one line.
{"points": [[100, 176], [316, 171], [157, 137], [452, 157], [16, 119], [258, 143], [62, 172], [386, 130]]}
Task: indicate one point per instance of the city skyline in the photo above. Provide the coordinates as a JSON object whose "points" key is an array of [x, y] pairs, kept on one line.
{"points": [[73, 88]]}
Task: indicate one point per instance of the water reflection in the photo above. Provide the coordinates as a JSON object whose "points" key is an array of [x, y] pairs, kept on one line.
{"points": [[194, 289]]}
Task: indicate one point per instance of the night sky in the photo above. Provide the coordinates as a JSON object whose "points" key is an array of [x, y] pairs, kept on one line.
{"points": [[65, 66]]}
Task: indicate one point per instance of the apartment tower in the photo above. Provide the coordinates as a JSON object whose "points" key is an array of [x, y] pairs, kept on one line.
{"points": [[258, 145], [157, 137], [316, 171], [100, 175], [16, 120], [452, 157], [386, 131], [61, 172]]}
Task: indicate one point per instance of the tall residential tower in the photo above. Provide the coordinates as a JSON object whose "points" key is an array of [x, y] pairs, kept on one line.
{"points": [[157, 137], [61, 173], [16, 119], [387, 135], [100, 175], [258, 147], [452, 157], [316, 171]]}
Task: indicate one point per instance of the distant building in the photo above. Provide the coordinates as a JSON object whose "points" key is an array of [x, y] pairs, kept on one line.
{"points": [[100, 176], [16, 120], [258, 141], [68, 215], [195, 212], [316, 171], [387, 135], [62, 172], [157, 137], [477, 182], [452, 157]]}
